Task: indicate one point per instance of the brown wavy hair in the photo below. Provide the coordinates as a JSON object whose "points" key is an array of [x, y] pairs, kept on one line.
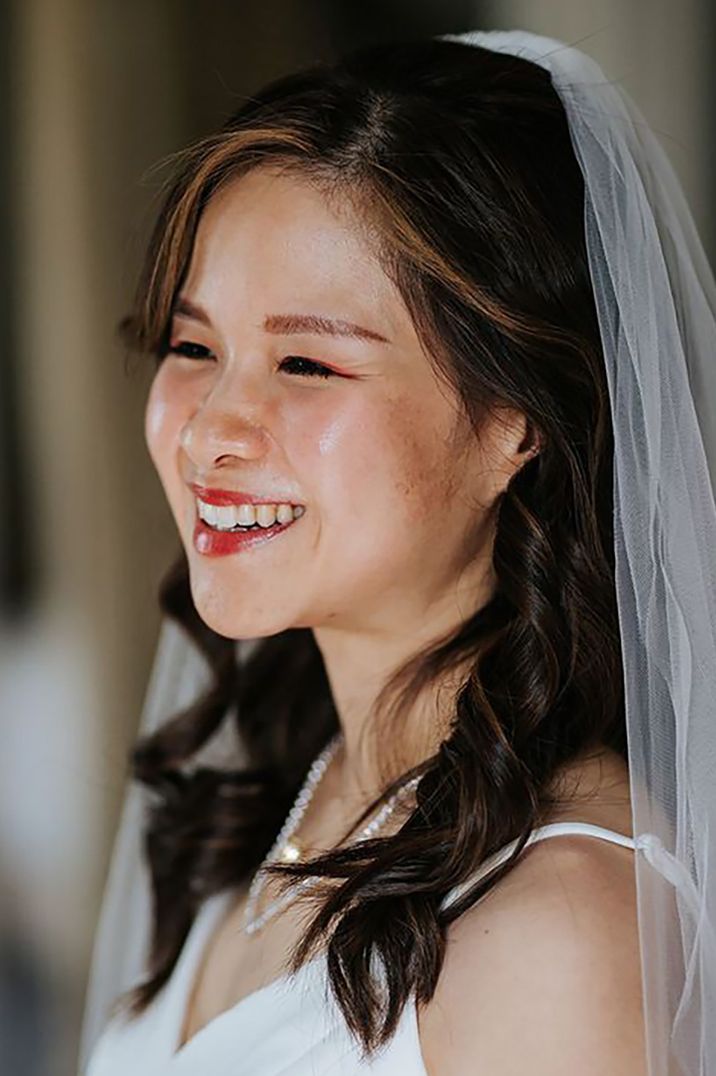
{"points": [[458, 159]]}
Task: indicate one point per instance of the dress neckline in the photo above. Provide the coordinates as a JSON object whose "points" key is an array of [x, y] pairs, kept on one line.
{"points": [[209, 916], [200, 932]]}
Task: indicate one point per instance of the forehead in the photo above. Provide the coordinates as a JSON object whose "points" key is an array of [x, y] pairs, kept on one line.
{"points": [[271, 236]]}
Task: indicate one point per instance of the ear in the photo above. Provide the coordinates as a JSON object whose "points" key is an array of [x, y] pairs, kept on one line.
{"points": [[507, 442], [531, 444], [518, 439]]}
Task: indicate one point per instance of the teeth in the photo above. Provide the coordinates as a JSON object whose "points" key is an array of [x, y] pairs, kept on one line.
{"points": [[284, 513], [226, 517], [247, 514]]}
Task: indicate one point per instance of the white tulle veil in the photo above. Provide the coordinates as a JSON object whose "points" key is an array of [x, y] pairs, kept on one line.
{"points": [[655, 298]]}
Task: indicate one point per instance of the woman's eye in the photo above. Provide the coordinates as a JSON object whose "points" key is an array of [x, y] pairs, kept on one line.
{"points": [[189, 350], [296, 363], [307, 367]]}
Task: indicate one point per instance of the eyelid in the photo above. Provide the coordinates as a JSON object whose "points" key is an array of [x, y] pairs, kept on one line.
{"points": [[175, 345], [321, 371]]}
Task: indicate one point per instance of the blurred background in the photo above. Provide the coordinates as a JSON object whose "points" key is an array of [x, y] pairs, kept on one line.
{"points": [[94, 94]]}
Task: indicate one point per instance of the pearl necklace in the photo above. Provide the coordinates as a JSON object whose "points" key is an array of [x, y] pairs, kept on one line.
{"points": [[287, 850]]}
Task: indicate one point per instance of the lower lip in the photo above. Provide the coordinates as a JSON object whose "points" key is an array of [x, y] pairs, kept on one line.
{"points": [[212, 543]]}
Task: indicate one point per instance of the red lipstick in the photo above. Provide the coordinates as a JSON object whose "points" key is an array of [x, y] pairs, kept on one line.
{"points": [[212, 542], [229, 496]]}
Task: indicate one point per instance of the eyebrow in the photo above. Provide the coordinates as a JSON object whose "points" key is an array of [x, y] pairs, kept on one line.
{"points": [[290, 324]]}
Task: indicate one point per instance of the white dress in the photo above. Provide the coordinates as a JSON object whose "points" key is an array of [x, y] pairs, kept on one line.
{"points": [[290, 1027]]}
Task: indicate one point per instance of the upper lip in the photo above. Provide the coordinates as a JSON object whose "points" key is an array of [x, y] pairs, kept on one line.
{"points": [[211, 495]]}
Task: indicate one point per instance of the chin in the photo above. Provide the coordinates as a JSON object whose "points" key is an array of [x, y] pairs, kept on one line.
{"points": [[239, 618]]}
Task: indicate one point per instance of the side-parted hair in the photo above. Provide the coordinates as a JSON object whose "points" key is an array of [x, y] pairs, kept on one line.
{"points": [[458, 162]]}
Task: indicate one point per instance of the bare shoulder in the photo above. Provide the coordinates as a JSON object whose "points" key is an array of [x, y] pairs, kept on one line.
{"points": [[542, 977]]}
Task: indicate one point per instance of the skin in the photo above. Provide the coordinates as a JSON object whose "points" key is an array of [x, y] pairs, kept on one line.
{"points": [[542, 978], [394, 550], [395, 545]]}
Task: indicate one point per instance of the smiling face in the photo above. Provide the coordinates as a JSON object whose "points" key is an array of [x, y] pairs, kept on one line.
{"points": [[395, 487]]}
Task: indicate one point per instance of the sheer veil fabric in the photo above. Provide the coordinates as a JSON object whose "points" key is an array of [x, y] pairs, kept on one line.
{"points": [[656, 302]]}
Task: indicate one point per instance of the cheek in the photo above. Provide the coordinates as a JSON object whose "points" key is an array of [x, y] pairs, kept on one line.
{"points": [[421, 474], [385, 461], [165, 413]]}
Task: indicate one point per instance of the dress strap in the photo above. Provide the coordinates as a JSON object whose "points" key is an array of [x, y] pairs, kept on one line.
{"points": [[553, 829]]}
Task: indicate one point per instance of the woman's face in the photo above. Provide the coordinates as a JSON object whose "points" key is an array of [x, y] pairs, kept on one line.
{"points": [[395, 487]]}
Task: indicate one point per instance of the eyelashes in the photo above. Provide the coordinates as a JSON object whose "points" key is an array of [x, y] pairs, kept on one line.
{"points": [[310, 367], [189, 350], [306, 367]]}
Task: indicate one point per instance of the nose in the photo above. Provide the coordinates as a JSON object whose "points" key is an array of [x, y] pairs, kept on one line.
{"points": [[226, 426]]}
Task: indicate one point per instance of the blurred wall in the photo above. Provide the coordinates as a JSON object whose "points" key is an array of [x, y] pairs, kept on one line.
{"points": [[93, 104], [661, 52], [98, 91]]}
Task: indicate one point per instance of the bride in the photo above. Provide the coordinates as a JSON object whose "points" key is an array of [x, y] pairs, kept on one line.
{"points": [[381, 417]]}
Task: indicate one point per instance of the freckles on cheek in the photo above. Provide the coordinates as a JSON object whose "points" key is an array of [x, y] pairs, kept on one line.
{"points": [[419, 465], [416, 487]]}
